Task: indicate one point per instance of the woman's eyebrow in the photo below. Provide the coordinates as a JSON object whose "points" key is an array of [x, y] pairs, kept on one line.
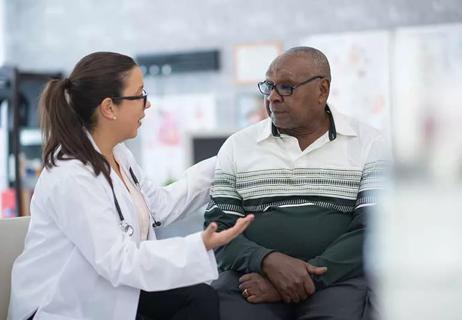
{"points": [[140, 88]]}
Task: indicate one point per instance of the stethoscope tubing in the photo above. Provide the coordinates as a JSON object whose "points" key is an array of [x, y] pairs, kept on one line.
{"points": [[124, 226]]}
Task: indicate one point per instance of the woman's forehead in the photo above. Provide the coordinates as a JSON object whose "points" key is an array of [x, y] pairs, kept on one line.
{"points": [[134, 79]]}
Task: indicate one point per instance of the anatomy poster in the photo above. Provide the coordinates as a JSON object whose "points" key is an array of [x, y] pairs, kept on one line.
{"points": [[163, 134], [360, 74]]}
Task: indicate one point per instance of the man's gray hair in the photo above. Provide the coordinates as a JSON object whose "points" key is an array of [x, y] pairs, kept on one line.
{"points": [[319, 60]]}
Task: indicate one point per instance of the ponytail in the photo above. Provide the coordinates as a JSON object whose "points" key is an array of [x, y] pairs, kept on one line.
{"points": [[63, 130], [68, 109]]}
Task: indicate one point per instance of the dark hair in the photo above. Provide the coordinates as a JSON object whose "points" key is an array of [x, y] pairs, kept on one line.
{"points": [[67, 108]]}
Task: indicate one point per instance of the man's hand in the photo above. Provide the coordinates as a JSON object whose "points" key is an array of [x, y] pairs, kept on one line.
{"points": [[257, 289], [213, 239], [290, 276]]}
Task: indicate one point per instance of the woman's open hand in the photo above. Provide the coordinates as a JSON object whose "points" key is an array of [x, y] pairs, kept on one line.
{"points": [[213, 239]]}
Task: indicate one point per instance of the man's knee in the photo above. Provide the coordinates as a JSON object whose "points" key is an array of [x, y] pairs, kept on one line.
{"points": [[203, 292], [345, 300], [233, 305], [228, 281]]}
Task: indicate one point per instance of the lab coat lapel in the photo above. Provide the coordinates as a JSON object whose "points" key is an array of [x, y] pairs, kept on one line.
{"points": [[124, 162], [123, 197], [126, 204]]}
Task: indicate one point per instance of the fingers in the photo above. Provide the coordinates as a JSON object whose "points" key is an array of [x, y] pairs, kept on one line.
{"points": [[239, 227], [244, 285], [246, 277], [309, 286], [248, 281], [213, 239], [301, 294], [294, 293], [245, 293], [312, 270], [316, 270], [211, 228], [207, 235], [289, 295], [253, 299], [286, 298], [242, 223]]}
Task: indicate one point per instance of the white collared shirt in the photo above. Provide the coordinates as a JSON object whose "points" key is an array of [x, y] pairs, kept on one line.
{"points": [[254, 155]]}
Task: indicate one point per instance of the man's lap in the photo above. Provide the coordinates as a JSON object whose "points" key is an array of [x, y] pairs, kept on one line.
{"points": [[346, 300]]}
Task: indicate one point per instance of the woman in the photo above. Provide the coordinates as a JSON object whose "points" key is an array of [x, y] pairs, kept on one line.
{"points": [[91, 245]]}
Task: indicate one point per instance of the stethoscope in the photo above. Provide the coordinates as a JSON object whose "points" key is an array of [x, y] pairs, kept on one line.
{"points": [[124, 226]]}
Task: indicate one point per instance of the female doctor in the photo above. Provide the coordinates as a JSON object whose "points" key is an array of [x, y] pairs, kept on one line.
{"points": [[91, 250]]}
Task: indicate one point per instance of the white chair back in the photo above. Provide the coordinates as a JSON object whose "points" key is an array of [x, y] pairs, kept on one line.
{"points": [[12, 234]]}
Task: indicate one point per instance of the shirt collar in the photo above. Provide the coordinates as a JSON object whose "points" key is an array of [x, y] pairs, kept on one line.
{"points": [[339, 124], [344, 124], [90, 137], [118, 150]]}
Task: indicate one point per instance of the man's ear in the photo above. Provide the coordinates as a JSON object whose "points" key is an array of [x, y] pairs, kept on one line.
{"points": [[107, 110], [324, 90]]}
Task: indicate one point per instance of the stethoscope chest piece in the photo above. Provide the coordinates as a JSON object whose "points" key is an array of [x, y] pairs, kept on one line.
{"points": [[125, 227]]}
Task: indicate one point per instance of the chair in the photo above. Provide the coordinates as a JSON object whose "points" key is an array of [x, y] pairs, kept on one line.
{"points": [[12, 234]]}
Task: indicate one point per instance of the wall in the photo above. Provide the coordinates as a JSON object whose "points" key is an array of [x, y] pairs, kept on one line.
{"points": [[2, 31], [54, 34], [49, 35]]}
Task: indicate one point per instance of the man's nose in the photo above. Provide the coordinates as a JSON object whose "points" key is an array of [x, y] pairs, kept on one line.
{"points": [[274, 95]]}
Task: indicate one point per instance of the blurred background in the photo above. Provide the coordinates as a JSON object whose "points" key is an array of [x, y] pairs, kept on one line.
{"points": [[396, 64]]}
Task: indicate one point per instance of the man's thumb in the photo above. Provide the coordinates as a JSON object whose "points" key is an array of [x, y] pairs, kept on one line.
{"points": [[316, 270]]}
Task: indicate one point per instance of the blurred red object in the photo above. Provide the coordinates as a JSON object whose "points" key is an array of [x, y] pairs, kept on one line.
{"points": [[8, 203]]}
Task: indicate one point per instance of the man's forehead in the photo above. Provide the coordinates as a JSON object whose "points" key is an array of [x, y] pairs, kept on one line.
{"points": [[288, 66]]}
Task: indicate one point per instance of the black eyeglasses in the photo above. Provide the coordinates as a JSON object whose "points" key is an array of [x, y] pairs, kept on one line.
{"points": [[144, 96], [282, 89]]}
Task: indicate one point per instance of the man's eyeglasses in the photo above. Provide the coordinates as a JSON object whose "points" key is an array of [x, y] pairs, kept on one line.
{"points": [[144, 96], [282, 89]]}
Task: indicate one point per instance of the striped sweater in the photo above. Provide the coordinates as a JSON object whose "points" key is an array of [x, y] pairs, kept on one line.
{"points": [[309, 204]]}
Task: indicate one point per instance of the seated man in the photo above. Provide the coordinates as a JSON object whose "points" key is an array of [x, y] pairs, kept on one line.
{"points": [[309, 174]]}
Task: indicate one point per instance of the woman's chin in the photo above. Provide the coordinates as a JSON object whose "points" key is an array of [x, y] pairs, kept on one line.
{"points": [[133, 134]]}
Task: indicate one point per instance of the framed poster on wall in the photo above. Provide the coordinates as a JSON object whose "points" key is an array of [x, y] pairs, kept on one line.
{"points": [[252, 60]]}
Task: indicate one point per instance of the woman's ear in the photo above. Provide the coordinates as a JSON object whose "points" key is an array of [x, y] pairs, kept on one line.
{"points": [[107, 110]]}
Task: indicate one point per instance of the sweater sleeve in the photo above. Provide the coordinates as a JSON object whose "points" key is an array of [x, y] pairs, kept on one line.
{"points": [[224, 208]]}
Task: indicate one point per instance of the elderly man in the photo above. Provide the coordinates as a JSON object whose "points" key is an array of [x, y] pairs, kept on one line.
{"points": [[309, 174]]}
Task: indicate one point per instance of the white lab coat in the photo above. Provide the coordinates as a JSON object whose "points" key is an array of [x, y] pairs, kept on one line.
{"points": [[78, 264]]}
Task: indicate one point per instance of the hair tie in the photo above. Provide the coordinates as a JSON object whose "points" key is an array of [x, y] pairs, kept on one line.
{"points": [[67, 83]]}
